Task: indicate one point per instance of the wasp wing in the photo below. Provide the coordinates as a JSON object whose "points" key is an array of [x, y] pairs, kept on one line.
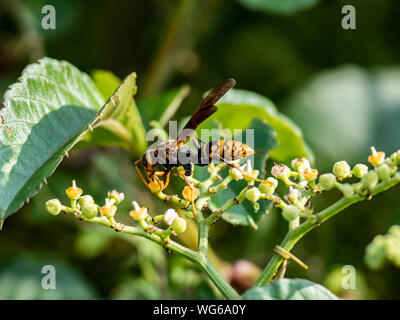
{"points": [[206, 109]]}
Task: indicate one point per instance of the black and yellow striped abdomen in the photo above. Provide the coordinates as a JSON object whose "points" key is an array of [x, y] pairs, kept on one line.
{"points": [[227, 150]]}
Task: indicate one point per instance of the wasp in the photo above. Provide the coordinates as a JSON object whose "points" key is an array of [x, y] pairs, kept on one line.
{"points": [[175, 153]]}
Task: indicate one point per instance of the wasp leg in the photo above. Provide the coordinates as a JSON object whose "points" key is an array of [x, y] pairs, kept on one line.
{"points": [[167, 179], [165, 184], [157, 180], [140, 174], [191, 189]]}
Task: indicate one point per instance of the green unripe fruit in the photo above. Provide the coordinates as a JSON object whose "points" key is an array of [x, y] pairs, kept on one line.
{"points": [[370, 179], [359, 170], [327, 181], [384, 172], [291, 212], [341, 170], [179, 225], [388, 161], [53, 206], [85, 200], [253, 194], [268, 187], [347, 189], [90, 211]]}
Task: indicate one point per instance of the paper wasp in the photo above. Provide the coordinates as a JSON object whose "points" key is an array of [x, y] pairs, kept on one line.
{"points": [[174, 153]]}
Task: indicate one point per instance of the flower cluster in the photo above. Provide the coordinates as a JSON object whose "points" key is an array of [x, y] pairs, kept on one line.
{"points": [[302, 181], [84, 207]]}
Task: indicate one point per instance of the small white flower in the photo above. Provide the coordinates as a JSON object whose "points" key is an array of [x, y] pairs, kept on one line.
{"points": [[169, 216], [280, 171], [301, 164], [237, 174]]}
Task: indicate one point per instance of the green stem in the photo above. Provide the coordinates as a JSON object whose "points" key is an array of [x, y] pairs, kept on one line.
{"points": [[218, 280], [293, 236], [198, 258], [203, 238]]}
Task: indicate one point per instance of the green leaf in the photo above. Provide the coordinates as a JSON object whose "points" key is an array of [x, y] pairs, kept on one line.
{"points": [[21, 279], [161, 108], [239, 107], [289, 289], [278, 7], [244, 213], [121, 124], [45, 113], [106, 82]]}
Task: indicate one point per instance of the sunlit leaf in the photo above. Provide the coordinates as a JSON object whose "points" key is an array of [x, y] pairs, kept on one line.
{"points": [[106, 82], [45, 113], [121, 124]]}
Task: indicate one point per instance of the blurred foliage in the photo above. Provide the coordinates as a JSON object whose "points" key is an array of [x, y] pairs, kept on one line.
{"points": [[384, 248], [334, 282], [346, 110], [345, 81], [21, 279]]}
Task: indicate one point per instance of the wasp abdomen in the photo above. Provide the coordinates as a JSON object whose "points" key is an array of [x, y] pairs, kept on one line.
{"points": [[228, 150]]}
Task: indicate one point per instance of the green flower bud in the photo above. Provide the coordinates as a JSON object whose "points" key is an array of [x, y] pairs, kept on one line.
{"points": [[85, 200], [370, 179], [395, 157], [359, 170], [347, 189], [53, 206], [327, 181], [256, 207], [179, 225], [291, 212], [341, 170], [268, 187], [375, 253], [384, 172], [393, 248], [388, 161], [395, 231], [90, 211], [253, 194]]}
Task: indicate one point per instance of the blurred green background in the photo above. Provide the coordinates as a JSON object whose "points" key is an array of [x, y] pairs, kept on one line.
{"points": [[342, 87]]}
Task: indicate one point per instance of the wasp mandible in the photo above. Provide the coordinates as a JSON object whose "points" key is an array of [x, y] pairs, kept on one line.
{"points": [[174, 153]]}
